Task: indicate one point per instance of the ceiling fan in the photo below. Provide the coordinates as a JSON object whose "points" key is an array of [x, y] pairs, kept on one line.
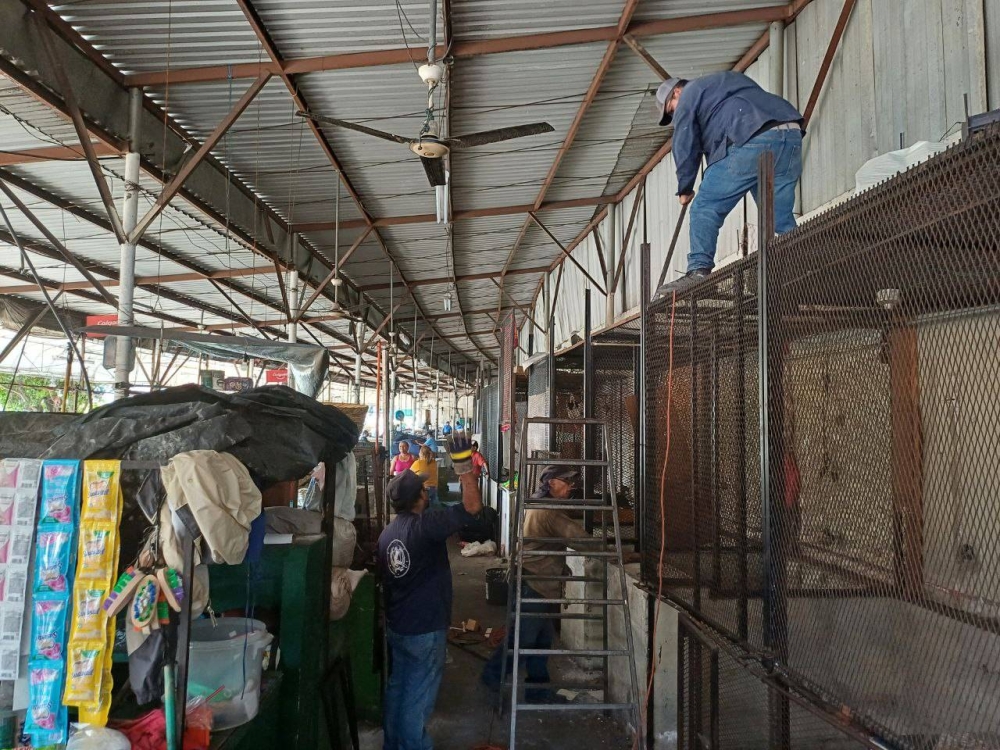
{"points": [[429, 145]]}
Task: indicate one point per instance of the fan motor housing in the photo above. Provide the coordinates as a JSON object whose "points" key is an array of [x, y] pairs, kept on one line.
{"points": [[429, 147]]}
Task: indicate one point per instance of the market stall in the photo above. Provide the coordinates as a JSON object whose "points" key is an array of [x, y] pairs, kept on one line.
{"points": [[146, 575]]}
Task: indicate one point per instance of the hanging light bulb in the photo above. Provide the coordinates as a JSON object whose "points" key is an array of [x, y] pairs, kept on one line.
{"points": [[447, 302]]}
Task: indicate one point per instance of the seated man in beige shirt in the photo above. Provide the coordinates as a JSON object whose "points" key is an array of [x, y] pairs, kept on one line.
{"points": [[557, 482]]}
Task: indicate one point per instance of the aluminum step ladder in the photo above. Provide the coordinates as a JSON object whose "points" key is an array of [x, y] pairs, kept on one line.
{"points": [[607, 549]]}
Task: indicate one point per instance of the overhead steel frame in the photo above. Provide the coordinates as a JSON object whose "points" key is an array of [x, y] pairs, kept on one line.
{"points": [[269, 236], [614, 34]]}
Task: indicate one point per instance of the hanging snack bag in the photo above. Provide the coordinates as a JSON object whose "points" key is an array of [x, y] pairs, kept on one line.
{"points": [[89, 620], [47, 722], [83, 672], [97, 552], [48, 626], [100, 483], [54, 558], [59, 491]]}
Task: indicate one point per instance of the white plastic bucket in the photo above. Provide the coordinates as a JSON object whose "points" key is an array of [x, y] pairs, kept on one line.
{"points": [[228, 654]]}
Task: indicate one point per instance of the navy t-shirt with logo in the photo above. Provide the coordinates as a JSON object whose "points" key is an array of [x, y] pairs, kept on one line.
{"points": [[416, 575]]}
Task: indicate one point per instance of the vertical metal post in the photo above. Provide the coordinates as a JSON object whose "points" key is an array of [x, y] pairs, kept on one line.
{"points": [[126, 269], [743, 623], [771, 455], [551, 372], [641, 497], [387, 401], [609, 280], [292, 285], [695, 450], [776, 52], [713, 423], [588, 399]]}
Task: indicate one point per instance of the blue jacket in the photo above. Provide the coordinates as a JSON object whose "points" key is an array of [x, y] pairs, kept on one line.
{"points": [[719, 110]]}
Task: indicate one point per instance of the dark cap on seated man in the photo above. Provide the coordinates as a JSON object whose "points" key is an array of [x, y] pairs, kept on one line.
{"points": [[406, 490], [557, 481]]}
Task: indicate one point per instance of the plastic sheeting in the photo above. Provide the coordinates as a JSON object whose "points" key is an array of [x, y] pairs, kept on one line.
{"points": [[276, 433], [308, 364]]}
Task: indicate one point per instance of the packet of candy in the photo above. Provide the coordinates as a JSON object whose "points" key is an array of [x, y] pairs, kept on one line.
{"points": [[59, 491], [100, 490], [7, 507], [97, 552], [83, 678], [89, 620], [53, 559], [47, 722], [48, 626]]}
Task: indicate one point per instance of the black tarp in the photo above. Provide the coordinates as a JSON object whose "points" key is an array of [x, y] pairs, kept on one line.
{"points": [[277, 433]]}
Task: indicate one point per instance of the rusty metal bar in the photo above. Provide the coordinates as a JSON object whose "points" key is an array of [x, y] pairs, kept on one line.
{"points": [[831, 50], [334, 271], [568, 254], [644, 55]]}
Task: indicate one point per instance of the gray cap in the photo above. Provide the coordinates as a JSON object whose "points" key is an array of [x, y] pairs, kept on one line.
{"points": [[554, 471], [663, 94]]}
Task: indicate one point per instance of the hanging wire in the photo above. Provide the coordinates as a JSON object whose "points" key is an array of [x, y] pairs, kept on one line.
{"points": [[49, 303]]}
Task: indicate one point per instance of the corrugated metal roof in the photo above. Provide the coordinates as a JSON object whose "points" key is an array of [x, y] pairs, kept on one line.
{"points": [[309, 28], [485, 19], [678, 8], [141, 35], [510, 89]]}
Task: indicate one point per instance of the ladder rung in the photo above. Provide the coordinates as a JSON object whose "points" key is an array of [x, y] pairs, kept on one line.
{"points": [[578, 686], [573, 579], [571, 601], [566, 462], [566, 539], [560, 616], [565, 553], [574, 706], [573, 652], [569, 506]]}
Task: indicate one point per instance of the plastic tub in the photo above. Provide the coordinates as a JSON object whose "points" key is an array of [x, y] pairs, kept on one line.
{"points": [[228, 655]]}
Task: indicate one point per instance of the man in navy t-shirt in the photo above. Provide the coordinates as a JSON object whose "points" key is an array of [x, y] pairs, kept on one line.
{"points": [[416, 579]]}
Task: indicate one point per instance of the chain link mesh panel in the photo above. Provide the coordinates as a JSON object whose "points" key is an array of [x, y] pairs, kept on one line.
{"points": [[490, 428], [870, 573], [615, 402], [538, 406]]}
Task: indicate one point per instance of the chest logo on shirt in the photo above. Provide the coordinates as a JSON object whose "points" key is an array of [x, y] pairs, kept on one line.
{"points": [[398, 559]]}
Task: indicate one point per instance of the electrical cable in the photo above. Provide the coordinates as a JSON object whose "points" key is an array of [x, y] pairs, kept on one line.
{"points": [[49, 303]]}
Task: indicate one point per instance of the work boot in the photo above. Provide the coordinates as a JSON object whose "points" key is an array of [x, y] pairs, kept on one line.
{"points": [[685, 282]]}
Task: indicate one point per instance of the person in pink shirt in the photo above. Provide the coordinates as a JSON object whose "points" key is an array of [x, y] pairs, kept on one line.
{"points": [[479, 466], [403, 460]]}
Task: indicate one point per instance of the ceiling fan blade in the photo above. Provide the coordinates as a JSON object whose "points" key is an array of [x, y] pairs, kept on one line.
{"points": [[500, 134], [354, 126], [435, 171]]}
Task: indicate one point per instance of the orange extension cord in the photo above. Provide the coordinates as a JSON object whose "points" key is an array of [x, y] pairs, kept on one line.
{"points": [[663, 520]]}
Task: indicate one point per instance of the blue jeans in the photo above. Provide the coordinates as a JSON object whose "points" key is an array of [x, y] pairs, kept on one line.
{"points": [[729, 179], [536, 632], [417, 665], [432, 497]]}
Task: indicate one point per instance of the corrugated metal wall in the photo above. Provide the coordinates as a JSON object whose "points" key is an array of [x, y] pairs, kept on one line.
{"points": [[904, 69]]}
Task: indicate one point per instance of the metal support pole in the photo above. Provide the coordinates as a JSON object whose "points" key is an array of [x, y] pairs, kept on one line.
{"points": [[743, 562], [588, 401], [770, 370], [293, 305], [612, 266], [695, 449], [641, 504], [776, 51], [551, 372], [126, 270]]}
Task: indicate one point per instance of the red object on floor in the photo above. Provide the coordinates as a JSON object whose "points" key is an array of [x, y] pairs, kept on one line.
{"points": [[149, 732]]}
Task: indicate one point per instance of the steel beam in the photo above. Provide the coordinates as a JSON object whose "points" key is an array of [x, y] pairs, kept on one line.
{"points": [[567, 254], [68, 256], [333, 272], [54, 153], [466, 49], [831, 51], [643, 54], [171, 188], [464, 277]]}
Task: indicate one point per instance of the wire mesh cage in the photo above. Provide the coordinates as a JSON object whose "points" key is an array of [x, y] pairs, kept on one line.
{"points": [[859, 545], [490, 427]]}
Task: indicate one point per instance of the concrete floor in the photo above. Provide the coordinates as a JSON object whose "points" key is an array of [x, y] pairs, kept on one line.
{"points": [[465, 718]]}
